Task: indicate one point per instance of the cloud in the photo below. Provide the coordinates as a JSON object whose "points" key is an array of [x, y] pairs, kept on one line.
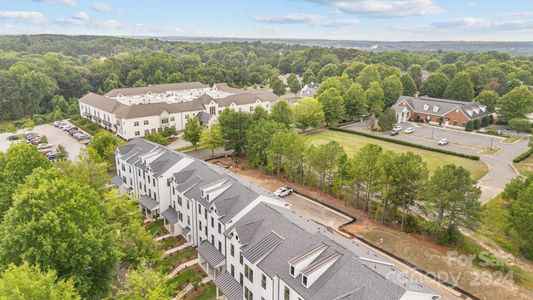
{"points": [[463, 22], [25, 16], [384, 8], [270, 31], [70, 3], [82, 16], [107, 24], [314, 20], [102, 7]]}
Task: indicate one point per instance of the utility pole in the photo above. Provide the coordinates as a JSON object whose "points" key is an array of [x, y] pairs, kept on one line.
{"points": [[432, 131], [491, 141]]}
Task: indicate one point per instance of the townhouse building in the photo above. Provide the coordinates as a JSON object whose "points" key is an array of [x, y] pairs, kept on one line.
{"points": [[248, 241], [137, 112]]}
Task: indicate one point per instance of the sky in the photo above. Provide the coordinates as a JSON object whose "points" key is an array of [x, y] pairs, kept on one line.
{"points": [[377, 20]]}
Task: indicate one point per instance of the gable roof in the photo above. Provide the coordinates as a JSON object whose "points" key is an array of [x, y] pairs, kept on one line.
{"points": [[157, 88], [441, 107]]}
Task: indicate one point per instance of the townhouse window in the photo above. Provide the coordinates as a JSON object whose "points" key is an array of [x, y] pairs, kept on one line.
{"points": [[153, 130], [188, 204], [212, 222], [232, 271], [180, 216], [251, 108], [137, 133], [146, 132], [136, 123], [199, 209], [153, 180], [205, 215], [240, 109], [155, 196], [232, 250], [172, 119], [304, 280], [179, 201], [200, 224], [205, 230], [263, 281], [241, 278], [240, 259], [248, 295], [219, 228], [292, 270], [123, 168], [164, 121], [174, 191], [220, 246], [189, 220], [139, 172], [213, 110], [249, 273], [145, 122], [186, 117], [130, 168], [212, 240], [287, 294]]}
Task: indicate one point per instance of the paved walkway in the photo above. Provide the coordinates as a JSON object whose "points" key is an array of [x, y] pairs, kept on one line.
{"points": [[500, 164], [180, 247], [189, 288], [160, 238], [182, 266]]}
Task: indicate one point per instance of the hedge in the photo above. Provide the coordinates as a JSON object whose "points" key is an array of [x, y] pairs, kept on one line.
{"points": [[523, 156], [405, 143]]}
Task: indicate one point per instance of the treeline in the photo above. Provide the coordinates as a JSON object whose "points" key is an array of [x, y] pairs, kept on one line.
{"points": [[65, 234], [35, 68], [390, 187]]}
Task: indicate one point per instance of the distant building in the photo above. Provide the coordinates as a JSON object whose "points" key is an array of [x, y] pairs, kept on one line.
{"points": [[139, 111], [250, 243], [308, 90], [450, 113]]}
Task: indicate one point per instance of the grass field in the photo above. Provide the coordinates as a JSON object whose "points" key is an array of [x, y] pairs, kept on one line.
{"points": [[353, 142], [525, 167]]}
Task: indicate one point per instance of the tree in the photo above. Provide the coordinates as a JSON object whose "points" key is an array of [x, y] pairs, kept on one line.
{"points": [[233, 126], [59, 224], [144, 283], [18, 162], [275, 150], [469, 126], [192, 131], [309, 76], [258, 139], [104, 144], [449, 70], [392, 90], [374, 97], [333, 105], [369, 74], [331, 82], [28, 125], [387, 119], [520, 125], [368, 157], [212, 138], [308, 112], [460, 88], [37, 87], [408, 84], [259, 114], [415, 71], [432, 65], [282, 113], [62, 153], [278, 87], [326, 160], [488, 98], [157, 138], [355, 103], [453, 197], [521, 214], [29, 282], [516, 104], [435, 85], [293, 83]]}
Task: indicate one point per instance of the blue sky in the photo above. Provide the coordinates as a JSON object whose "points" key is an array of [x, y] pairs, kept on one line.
{"points": [[489, 20]]}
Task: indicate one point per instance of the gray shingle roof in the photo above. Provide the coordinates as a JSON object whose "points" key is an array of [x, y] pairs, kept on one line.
{"points": [[149, 203], [170, 215], [265, 246], [440, 107], [116, 180], [230, 287], [157, 88], [207, 251]]}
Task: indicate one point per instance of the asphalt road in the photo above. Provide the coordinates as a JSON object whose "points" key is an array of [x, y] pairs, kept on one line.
{"points": [[500, 164]]}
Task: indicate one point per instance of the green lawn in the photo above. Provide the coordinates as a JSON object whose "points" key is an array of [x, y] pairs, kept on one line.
{"points": [[353, 142], [512, 139], [205, 292], [155, 227], [169, 262], [185, 276], [171, 242], [525, 167]]}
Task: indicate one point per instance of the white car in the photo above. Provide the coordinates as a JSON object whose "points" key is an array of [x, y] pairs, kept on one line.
{"points": [[443, 142], [397, 128], [44, 146], [409, 130], [283, 191]]}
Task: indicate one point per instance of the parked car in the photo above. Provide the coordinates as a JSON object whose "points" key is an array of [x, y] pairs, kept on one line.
{"points": [[83, 137], [409, 130], [13, 137], [44, 146], [397, 128], [30, 135], [64, 125], [51, 155], [443, 142], [58, 123], [394, 132], [36, 141], [283, 191], [73, 131]]}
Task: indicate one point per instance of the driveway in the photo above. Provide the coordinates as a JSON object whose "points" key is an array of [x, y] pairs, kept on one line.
{"points": [[500, 164], [55, 137], [316, 212]]}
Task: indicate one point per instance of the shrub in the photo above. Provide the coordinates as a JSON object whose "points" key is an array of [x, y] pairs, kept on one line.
{"points": [[411, 224], [469, 126], [485, 121], [477, 124], [404, 143], [44, 139], [168, 132], [523, 156], [451, 236], [522, 125]]}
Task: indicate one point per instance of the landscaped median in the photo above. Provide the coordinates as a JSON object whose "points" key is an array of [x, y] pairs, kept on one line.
{"points": [[405, 143]]}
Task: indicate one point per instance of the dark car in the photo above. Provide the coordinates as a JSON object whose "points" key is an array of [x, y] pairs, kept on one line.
{"points": [[30, 135], [13, 137], [394, 132], [73, 132]]}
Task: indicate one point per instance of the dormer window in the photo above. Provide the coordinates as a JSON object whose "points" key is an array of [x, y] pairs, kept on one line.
{"points": [[304, 280], [436, 108], [426, 107], [292, 270]]}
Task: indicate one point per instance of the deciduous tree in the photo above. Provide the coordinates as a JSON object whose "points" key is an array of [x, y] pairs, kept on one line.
{"points": [[516, 104], [308, 112], [212, 138], [460, 88], [192, 131], [282, 113], [435, 85], [333, 105], [233, 126]]}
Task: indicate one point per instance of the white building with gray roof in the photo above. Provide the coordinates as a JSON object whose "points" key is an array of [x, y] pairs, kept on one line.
{"points": [[249, 242], [137, 112]]}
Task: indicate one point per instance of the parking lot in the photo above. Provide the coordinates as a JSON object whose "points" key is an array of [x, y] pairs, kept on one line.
{"points": [[55, 137]]}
